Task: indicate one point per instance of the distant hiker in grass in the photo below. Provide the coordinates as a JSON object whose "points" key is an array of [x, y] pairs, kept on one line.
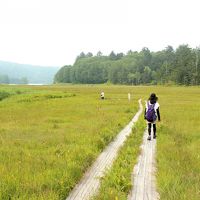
{"points": [[102, 95], [151, 114]]}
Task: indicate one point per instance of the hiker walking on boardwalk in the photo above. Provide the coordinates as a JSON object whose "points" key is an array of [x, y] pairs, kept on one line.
{"points": [[102, 95], [151, 114]]}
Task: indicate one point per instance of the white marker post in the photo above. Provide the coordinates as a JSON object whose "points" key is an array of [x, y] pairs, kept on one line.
{"points": [[129, 96]]}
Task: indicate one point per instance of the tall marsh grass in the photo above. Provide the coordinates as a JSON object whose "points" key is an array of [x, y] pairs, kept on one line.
{"points": [[179, 145], [50, 135]]}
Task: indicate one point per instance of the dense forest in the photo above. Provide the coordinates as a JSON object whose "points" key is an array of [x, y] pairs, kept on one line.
{"points": [[169, 66]]}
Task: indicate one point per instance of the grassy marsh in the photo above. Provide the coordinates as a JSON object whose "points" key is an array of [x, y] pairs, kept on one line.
{"points": [[49, 136], [178, 150]]}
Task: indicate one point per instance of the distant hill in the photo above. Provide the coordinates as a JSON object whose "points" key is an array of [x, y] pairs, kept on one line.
{"points": [[33, 73]]}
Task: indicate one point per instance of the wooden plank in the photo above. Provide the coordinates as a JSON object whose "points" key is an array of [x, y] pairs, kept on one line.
{"points": [[143, 177]]}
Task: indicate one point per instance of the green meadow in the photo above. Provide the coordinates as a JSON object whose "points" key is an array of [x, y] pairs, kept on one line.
{"points": [[50, 135], [178, 149]]}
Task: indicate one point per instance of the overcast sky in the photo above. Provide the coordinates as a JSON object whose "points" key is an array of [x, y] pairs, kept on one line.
{"points": [[54, 32]]}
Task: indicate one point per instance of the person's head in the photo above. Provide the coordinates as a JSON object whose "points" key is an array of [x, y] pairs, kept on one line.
{"points": [[153, 98]]}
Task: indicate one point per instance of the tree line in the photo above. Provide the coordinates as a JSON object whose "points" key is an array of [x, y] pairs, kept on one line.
{"points": [[168, 66]]}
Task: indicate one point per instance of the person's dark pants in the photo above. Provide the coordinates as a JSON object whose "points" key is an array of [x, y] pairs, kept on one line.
{"points": [[149, 129]]}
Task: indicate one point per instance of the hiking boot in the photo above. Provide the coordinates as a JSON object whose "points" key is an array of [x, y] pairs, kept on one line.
{"points": [[154, 136], [149, 137]]}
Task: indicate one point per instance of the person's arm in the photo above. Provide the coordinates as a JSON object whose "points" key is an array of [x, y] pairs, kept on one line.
{"points": [[145, 113], [158, 113]]}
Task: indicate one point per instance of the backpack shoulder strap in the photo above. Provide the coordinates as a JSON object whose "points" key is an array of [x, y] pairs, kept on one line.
{"points": [[149, 104]]}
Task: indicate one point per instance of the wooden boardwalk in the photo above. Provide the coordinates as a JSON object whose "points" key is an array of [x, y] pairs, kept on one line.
{"points": [[144, 187], [90, 183]]}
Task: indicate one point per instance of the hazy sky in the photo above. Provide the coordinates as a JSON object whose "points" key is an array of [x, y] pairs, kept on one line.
{"points": [[54, 32]]}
